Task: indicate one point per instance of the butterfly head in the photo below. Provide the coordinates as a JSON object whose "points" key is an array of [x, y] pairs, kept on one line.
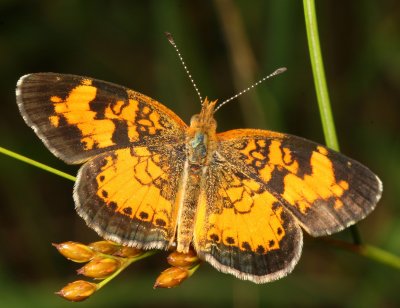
{"points": [[204, 121]]}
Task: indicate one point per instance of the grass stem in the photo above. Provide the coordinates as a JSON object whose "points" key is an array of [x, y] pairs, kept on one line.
{"points": [[37, 164]]}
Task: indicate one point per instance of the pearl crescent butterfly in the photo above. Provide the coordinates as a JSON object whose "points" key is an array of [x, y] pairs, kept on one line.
{"points": [[240, 198]]}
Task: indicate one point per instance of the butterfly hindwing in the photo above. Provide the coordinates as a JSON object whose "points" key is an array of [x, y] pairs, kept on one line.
{"points": [[128, 195], [79, 117], [325, 190], [242, 229]]}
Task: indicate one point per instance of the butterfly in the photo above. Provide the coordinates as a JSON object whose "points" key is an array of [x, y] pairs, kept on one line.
{"points": [[240, 198]]}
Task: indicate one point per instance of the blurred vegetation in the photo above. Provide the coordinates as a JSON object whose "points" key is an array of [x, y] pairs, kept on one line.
{"points": [[124, 42]]}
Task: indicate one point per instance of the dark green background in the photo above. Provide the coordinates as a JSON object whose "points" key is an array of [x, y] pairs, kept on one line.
{"points": [[124, 42]]}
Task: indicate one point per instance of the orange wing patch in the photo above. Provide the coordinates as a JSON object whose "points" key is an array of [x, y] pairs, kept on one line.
{"points": [[320, 184], [129, 195], [75, 109], [247, 221], [129, 184], [299, 192]]}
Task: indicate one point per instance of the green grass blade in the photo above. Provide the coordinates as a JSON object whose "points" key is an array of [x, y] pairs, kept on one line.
{"points": [[368, 251], [380, 255], [321, 87], [317, 64], [37, 164]]}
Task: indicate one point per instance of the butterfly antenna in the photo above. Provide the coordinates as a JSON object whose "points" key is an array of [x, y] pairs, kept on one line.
{"points": [[172, 42], [276, 72]]}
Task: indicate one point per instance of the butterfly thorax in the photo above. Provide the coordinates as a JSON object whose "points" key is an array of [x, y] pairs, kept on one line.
{"points": [[201, 135], [200, 147]]}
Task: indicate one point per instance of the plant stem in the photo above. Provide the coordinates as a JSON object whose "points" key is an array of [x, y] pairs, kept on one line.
{"points": [[317, 64], [321, 87], [124, 265], [368, 251], [37, 164], [380, 255], [194, 269]]}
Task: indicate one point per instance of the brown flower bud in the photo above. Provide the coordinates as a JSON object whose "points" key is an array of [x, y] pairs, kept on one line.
{"points": [[180, 259], [77, 291], [171, 277], [74, 251], [128, 252], [105, 247], [99, 267]]}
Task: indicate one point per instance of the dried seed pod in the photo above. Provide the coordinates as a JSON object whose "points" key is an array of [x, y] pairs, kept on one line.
{"points": [[180, 259], [100, 267], [106, 247], [75, 252], [171, 277], [77, 291], [128, 252]]}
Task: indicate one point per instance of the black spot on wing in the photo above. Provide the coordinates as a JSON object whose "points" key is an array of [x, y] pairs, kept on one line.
{"points": [[260, 249], [230, 240], [160, 222], [143, 215], [128, 210], [214, 237], [246, 246]]}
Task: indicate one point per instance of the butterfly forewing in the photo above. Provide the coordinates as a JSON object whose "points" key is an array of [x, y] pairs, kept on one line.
{"points": [[79, 117], [325, 190]]}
